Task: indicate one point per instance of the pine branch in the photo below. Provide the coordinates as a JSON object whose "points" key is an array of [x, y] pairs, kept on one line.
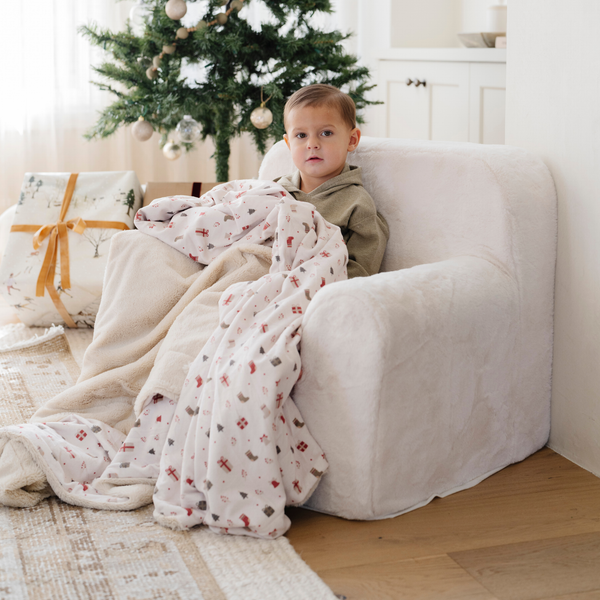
{"points": [[236, 62]]}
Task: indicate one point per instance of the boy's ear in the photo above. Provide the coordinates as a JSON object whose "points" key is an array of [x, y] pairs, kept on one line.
{"points": [[287, 141], [354, 139]]}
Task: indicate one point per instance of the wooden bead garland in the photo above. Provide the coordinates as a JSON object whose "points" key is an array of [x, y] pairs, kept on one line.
{"points": [[174, 8]]}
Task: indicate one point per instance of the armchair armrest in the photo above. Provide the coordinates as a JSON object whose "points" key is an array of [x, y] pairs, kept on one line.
{"points": [[411, 380]]}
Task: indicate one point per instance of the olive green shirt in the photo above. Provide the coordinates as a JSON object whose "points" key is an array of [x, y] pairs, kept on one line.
{"points": [[343, 201]]}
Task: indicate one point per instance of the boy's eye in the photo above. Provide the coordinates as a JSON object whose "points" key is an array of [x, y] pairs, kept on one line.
{"points": [[327, 133], [300, 135]]}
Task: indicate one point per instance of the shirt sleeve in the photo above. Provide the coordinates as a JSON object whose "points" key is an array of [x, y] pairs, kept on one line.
{"points": [[367, 238]]}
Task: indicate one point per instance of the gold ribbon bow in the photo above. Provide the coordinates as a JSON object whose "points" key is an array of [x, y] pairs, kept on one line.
{"points": [[57, 234]]}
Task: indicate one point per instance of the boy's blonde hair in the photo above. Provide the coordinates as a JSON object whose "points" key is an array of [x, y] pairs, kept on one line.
{"points": [[322, 94]]}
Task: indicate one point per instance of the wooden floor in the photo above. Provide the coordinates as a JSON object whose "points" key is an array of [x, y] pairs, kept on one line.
{"points": [[530, 531]]}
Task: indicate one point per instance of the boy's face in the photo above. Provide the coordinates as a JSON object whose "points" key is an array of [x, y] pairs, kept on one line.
{"points": [[319, 140]]}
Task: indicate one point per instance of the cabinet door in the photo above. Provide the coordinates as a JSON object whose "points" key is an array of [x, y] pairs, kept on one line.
{"points": [[438, 110], [488, 102]]}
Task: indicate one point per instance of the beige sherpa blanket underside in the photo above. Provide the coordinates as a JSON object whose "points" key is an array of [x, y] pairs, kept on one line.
{"points": [[142, 342]]}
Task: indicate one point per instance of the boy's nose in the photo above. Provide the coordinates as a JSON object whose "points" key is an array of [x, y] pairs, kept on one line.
{"points": [[313, 142]]}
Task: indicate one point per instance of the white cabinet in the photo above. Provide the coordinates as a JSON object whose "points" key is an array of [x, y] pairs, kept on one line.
{"points": [[450, 100], [426, 100], [487, 99]]}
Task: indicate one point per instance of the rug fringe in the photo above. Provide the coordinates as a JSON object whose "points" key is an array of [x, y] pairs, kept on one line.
{"points": [[14, 336]]}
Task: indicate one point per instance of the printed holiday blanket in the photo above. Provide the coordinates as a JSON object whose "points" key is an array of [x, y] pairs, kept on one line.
{"points": [[233, 450]]}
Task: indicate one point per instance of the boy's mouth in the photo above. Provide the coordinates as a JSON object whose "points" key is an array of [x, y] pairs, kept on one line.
{"points": [[314, 159]]}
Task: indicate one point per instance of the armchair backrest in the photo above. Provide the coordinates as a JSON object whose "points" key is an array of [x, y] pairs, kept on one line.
{"points": [[447, 199]]}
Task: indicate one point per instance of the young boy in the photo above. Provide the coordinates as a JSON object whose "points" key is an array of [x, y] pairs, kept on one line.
{"points": [[320, 125]]}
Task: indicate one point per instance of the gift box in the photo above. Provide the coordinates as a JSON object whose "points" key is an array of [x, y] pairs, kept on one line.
{"points": [[161, 189], [53, 266]]}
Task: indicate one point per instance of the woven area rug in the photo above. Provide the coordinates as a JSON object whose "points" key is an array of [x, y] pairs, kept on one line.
{"points": [[59, 551], [34, 367]]}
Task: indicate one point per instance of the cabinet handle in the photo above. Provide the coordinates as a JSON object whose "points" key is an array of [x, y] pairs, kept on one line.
{"points": [[418, 83], [409, 81]]}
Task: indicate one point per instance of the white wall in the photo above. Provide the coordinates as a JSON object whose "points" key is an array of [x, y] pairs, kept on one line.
{"points": [[431, 23], [553, 109], [474, 15], [381, 24], [426, 23], [373, 29]]}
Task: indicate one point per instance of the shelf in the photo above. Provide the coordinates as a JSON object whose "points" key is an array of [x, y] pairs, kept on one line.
{"points": [[487, 55]]}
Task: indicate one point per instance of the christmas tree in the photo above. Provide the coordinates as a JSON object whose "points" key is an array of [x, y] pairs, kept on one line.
{"points": [[238, 70]]}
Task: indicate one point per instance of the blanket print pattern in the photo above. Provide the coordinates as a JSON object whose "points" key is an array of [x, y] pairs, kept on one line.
{"points": [[233, 451]]}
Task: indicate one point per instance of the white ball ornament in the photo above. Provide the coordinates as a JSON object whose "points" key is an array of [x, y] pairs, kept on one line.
{"points": [[261, 117], [156, 62], [188, 129], [175, 9], [221, 18], [171, 150], [169, 49], [142, 130], [151, 73], [182, 33]]}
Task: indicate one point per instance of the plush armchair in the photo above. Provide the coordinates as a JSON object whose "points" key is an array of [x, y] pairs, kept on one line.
{"points": [[432, 375]]}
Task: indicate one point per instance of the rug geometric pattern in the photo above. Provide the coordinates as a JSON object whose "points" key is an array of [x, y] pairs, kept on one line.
{"points": [[32, 370]]}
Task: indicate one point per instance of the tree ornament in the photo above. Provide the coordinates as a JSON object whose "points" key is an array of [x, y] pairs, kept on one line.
{"points": [[262, 117], [175, 9], [156, 62], [142, 130], [221, 18], [171, 150], [169, 49], [201, 27], [221, 98], [188, 129]]}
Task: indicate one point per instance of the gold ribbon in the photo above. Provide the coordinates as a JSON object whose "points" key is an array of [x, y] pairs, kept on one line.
{"points": [[58, 238]]}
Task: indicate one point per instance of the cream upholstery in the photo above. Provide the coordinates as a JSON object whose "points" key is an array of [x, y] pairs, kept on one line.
{"points": [[434, 374]]}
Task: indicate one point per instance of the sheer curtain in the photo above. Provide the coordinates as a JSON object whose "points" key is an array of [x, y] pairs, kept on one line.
{"points": [[47, 102]]}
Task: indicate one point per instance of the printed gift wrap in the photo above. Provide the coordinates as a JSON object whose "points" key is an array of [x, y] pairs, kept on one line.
{"points": [[53, 267]]}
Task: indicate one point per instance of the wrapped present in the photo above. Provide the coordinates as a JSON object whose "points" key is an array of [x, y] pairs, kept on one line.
{"points": [[53, 266], [160, 189]]}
